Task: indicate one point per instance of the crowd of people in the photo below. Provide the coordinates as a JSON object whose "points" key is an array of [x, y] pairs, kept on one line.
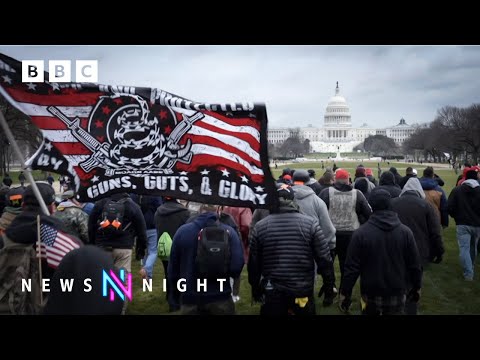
{"points": [[384, 231]]}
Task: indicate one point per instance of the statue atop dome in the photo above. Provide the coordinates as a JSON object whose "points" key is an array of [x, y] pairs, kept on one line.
{"points": [[337, 90]]}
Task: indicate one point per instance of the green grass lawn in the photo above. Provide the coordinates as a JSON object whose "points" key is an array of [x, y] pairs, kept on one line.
{"points": [[444, 290]]}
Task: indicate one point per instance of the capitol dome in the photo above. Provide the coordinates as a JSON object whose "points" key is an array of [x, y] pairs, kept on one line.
{"points": [[338, 111]]}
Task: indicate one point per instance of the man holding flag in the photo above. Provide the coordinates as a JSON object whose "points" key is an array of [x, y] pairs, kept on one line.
{"points": [[19, 257]]}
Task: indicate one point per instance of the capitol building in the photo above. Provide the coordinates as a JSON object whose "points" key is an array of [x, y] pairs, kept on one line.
{"points": [[337, 134]]}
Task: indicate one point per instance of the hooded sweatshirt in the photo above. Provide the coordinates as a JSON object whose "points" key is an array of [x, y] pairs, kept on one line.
{"points": [[387, 182], [464, 203], [170, 216], [420, 216], [88, 262], [384, 254], [184, 253], [310, 204]]}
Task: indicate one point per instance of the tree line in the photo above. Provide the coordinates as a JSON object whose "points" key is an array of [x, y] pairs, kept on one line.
{"points": [[453, 135]]}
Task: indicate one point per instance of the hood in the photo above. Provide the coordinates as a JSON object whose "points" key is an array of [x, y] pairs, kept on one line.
{"points": [[23, 228], [80, 264], [471, 183], [385, 220], [387, 178], [342, 187], [66, 204], [428, 183], [285, 206], [303, 191], [413, 184], [205, 219], [393, 170], [171, 207]]}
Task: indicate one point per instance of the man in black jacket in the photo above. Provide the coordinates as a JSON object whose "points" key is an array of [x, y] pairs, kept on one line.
{"points": [[464, 207], [283, 249], [419, 215], [168, 218], [119, 242], [387, 182], [384, 254]]}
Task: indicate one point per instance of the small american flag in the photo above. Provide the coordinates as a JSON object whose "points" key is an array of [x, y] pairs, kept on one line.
{"points": [[55, 245]]}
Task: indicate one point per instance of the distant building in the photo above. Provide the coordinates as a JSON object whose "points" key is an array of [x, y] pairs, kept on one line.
{"points": [[337, 133]]}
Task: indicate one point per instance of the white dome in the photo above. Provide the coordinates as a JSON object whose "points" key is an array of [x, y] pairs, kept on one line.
{"points": [[338, 111]]}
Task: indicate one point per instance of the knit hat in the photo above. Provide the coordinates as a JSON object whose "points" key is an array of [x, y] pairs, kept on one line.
{"points": [[380, 199], [286, 192], [15, 197], [301, 176], [360, 171], [46, 190], [342, 174]]}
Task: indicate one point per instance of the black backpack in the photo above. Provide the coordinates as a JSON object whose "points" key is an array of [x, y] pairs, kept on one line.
{"points": [[213, 253], [112, 218]]}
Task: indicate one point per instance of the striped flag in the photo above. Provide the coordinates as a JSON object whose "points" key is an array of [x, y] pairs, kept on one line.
{"points": [[55, 245], [146, 141]]}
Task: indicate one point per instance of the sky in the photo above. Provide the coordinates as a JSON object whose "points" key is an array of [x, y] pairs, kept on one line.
{"points": [[382, 84]]}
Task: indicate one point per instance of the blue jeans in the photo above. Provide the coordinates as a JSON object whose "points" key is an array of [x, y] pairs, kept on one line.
{"points": [[467, 237], [151, 256]]}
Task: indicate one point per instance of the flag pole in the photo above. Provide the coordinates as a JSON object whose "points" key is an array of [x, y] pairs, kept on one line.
{"points": [[28, 173], [39, 248]]}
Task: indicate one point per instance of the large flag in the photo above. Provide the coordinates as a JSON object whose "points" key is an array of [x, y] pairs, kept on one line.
{"points": [[147, 141], [55, 245]]}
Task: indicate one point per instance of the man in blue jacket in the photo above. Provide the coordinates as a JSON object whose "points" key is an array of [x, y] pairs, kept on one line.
{"points": [[214, 298]]}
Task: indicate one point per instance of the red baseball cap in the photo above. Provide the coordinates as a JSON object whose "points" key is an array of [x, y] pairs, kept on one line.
{"points": [[287, 177], [368, 171], [342, 174]]}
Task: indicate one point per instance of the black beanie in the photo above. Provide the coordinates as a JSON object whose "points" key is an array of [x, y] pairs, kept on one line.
{"points": [[380, 200]]}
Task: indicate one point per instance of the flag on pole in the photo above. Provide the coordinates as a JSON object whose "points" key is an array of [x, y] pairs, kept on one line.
{"points": [[146, 140], [55, 245]]}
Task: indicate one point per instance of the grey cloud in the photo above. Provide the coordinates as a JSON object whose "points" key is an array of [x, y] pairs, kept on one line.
{"points": [[381, 83]]}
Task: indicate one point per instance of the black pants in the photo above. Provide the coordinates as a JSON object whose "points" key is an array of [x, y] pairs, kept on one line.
{"points": [[343, 240], [173, 295], [223, 307], [279, 304]]}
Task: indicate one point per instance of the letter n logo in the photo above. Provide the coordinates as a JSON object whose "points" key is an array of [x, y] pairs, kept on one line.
{"points": [[117, 284]]}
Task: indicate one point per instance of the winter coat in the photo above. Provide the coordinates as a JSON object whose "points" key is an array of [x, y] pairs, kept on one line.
{"points": [[311, 205], [283, 249], [384, 254]]}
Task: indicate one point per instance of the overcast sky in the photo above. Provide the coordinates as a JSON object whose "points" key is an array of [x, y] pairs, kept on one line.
{"points": [[381, 83]]}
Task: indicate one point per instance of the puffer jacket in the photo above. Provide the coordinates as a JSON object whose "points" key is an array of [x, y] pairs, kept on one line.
{"points": [[283, 249]]}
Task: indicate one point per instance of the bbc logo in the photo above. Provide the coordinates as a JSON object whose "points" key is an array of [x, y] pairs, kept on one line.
{"points": [[60, 71]]}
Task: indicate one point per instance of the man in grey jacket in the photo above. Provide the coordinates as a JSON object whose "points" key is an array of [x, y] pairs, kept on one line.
{"points": [[310, 204]]}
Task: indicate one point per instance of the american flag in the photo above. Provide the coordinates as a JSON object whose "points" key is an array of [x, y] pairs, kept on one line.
{"points": [[55, 245]]}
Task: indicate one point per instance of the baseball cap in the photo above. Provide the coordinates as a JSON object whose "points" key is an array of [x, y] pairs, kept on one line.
{"points": [[368, 171], [47, 192], [342, 174], [414, 171]]}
